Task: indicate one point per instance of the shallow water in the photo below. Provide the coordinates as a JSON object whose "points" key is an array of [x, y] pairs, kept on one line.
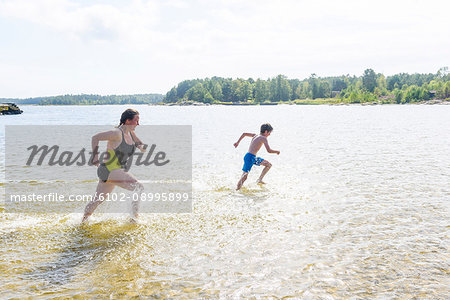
{"points": [[356, 206]]}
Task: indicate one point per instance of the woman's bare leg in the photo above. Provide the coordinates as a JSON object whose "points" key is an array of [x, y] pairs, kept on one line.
{"points": [[103, 189], [129, 182]]}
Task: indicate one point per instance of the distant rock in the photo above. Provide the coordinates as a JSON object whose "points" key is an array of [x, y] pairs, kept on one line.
{"points": [[10, 109]]}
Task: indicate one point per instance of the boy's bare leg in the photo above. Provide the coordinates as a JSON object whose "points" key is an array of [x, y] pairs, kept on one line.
{"points": [[266, 169], [242, 180]]}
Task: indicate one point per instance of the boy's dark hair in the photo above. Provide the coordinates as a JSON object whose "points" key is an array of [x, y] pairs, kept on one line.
{"points": [[265, 127]]}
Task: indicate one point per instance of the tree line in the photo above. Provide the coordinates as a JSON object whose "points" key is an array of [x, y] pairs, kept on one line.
{"points": [[369, 87], [90, 99]]}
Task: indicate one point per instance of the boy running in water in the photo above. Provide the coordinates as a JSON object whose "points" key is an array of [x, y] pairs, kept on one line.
{"points": [[250, 158]]}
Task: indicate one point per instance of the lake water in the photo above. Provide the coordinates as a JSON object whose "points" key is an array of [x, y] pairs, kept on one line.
{"points": [[355, 206]]}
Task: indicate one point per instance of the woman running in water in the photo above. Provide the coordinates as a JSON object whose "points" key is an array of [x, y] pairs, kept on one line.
{"points": [[122, 142]]}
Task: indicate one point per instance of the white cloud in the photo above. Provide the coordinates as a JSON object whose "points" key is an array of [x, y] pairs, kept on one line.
{"points": [[140, 24], [95, 21], [178, 39]]}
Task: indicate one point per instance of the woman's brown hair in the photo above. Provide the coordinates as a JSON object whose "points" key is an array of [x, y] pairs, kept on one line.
{"points": [[128, 115]]}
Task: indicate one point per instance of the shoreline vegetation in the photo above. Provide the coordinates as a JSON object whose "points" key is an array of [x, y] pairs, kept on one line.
{"points": [[85, 99], [330, 101], [368, 89]]}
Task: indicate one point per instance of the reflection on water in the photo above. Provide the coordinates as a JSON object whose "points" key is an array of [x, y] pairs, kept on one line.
{"points": [[82, 245], [356, 206]]}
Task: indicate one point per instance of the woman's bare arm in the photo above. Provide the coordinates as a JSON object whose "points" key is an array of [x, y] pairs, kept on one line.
{"points": [[138, 143], [110, 135]]}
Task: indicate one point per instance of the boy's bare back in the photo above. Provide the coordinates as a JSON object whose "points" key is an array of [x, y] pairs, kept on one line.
{"points": [[256, 143]]}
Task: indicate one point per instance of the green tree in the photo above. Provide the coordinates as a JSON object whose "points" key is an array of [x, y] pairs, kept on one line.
{"points": [[338, 84], [199, 93], [398, 95], [285, 88], [369, 80], [324, 90], [314, 86], [171, 96], [185, 85], [393, 82], [446, 89], [415, 93], [216, 91], [236, 90], [227, 89], [261, 91], [381, 82], [280, 89], [294, 85], [245, 91], [306, 91]]}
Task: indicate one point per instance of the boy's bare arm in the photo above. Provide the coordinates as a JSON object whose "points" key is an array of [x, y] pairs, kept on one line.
{"points": [[266, 144], [242, 136]]}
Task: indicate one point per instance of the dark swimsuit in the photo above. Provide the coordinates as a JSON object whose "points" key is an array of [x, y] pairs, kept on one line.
{"points": [[117, 159]]}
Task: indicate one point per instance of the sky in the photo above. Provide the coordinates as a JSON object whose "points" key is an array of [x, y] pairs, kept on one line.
{"points": [[57, 47]]}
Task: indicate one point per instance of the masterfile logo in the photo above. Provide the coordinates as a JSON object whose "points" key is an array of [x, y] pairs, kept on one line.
{"points": [[50, 168]]}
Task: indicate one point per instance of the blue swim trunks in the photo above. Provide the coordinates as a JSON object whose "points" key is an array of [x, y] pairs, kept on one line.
{"points": [[250, 160]]}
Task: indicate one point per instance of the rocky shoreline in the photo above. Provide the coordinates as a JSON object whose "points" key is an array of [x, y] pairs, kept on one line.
{"points": [[194, 103], [9, 109]]}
